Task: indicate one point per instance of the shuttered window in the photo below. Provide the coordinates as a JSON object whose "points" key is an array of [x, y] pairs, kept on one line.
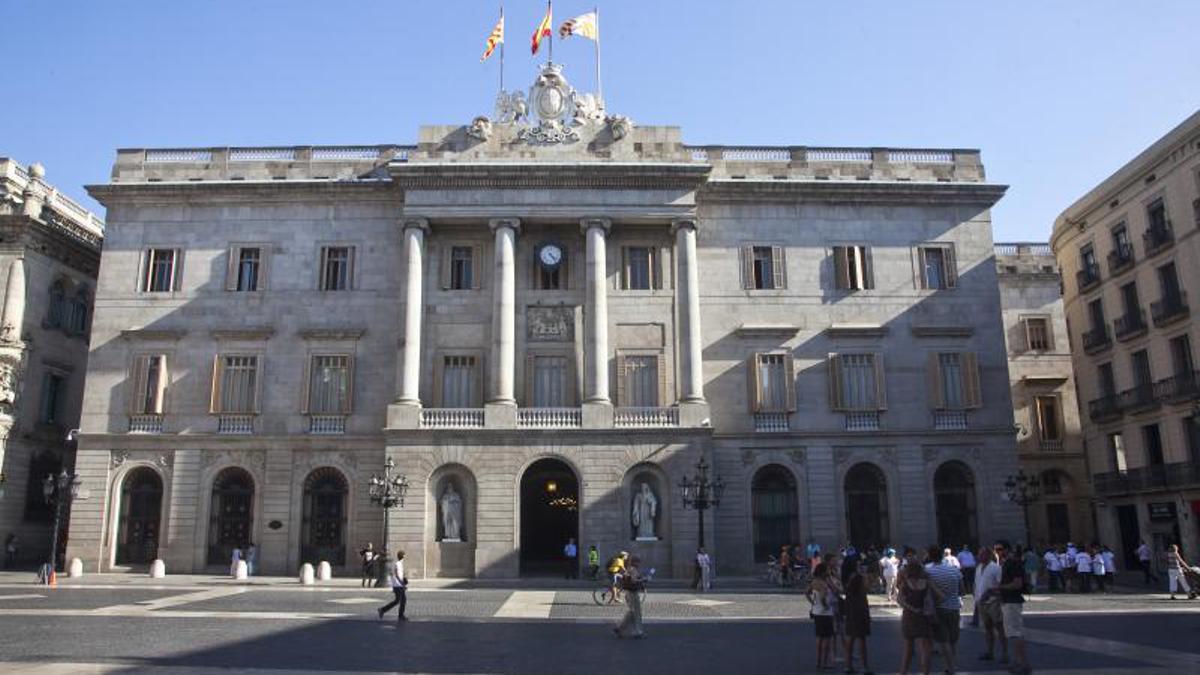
{"points": [[1047, 418], [772, 383], [462, 268], [763, 268], [330, 384], [852, 268], [245, 272], [149, 384], [235, 384], [1037, 334], [460, 382], [337, 268], [547, 381], [857, 382], [641, 380], [937, 266], [954, 381], [640, 268], [160, 272]]}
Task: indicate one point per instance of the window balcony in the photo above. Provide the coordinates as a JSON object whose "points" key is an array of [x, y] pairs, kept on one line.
{"points": [[1088, 278], [549, 418], [950, 420], [862, 420], [771, 422], [1051, 445], [235, 425], [145, 424], [1179, 388], [1105, 408], [1096, 340], [645, 418], [451, 418], [1120, 260], [1158, 239], [1174, 476], [1132, 325], [1139, 399], [327, 425], [1170, 309]]}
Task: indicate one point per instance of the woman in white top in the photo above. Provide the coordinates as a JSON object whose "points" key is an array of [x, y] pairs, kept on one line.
{"points": [[705, 564], [233, 563], [888, 568], [1054, 569], [1098, 569]]}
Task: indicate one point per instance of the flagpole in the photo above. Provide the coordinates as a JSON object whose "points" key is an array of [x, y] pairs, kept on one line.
{"points": [[502, 40], [599, 87], [550, 14]]}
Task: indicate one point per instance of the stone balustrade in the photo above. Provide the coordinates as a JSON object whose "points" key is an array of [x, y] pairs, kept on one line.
{"points": [[549, 418], [451, 418], [145, 424], [645, 417]]}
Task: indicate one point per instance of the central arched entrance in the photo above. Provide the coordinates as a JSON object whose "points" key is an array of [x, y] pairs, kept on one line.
{"points": [[773, 511], [231, 514], [141, 505], [549, 515], [323, 520], [866, 506]]}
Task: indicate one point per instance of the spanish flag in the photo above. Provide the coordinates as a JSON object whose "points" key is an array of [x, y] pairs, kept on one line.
{"points": [[584, 25], [497, 37], [543, 29]]}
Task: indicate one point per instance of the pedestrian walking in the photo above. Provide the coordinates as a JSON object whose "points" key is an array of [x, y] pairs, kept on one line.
{"points": [[1053, 570], [367, 556], [821, 612], [11, 547], [889, 567], [1029, 558], [858, 622], [633, 583], [918, 600], [593, 563], [1144, 556], [399, 584], [251, 559], [948, 582], [1176, 569], [571, 556], [234, 559], [705, 564], [966, 562], [988, 606], [1012, 606]]}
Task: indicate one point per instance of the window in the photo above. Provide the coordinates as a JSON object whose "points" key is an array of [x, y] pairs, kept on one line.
{"points": [[1191, 431], [460, 382], [1121, 245], [161, 270], [149, 382], [1087, 259], [857, 382], [1153, 440], [235, 384], [548, 382], [1096, 315], [461, 274], [77, 312], [1108, 382], [937, 266], [1047, 418], [641, 380], [640, 269], [1037, 334], [337, 268], [1129, 297], [1116, 448], [329, 384], [1156, 216], [1181, 355], [1140, 365], [852, 268], [57, 309], [954, 380], [763, 267], [247, 266], [53, 391], [1168, 281], [772, 378]]}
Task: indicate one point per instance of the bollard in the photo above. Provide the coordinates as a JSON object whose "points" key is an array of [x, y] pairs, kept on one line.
{"points": [[76, 568], [158, 569], [241, 572], [324, 571], [306, 574]]}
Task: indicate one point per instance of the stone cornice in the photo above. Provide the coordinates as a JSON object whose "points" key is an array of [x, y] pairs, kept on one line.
{"points": [[943, 331], [856, 330], [853, 192], [147, 334], [239, 190], [256, 333], [546, 175], [766, 331], [348, 333]]}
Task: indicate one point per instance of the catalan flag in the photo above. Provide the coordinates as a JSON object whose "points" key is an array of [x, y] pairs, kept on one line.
{"points": [[584, 25], [543, 30], [497, 37]]}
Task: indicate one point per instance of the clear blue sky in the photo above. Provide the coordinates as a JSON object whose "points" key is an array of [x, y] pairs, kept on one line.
{"points": [[1056, 94]]}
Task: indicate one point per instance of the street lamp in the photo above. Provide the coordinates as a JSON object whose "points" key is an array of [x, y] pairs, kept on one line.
{"points": [[1023, 489], [61, 490], [388, 492], [700, 493]]}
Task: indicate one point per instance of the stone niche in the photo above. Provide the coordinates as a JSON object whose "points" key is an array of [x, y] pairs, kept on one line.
{"points": [[449, 558]]}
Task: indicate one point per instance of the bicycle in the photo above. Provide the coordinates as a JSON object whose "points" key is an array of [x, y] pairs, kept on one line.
{"points": [[603, 595]]}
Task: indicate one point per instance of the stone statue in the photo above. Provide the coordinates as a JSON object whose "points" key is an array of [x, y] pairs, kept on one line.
{"points": [[620, 126], [481, 128], [452, 509], [645, 509], [587, 109], [511, 108]]}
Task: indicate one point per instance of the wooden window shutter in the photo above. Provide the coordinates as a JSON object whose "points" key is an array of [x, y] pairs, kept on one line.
{"points": [[624, 268], [351, 280], [835, 383], [971, 377], [1048, 322], [231, 269], [621, 385], [444, 272], [177, 270], [439, 369], [841, 267], [922, 279], [477, 380], [880, 382], [754, 383], [1025, 323], [664, 398], [306, 388], [530, 363], [933, 379], [138, 383], [143, 279], [789, 380], [348, 401], [748, 267], [214, 402], [258, 383], [951, 263], [868, 268], [160, 400], [778, 267], [476, 270]]}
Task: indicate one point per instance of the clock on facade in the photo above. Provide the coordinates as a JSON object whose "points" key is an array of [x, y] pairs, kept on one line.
{"points": [[550, 255]]}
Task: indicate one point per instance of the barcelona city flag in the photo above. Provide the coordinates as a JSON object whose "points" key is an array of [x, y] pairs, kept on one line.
{"points": [[543, 29], [496, 37]]}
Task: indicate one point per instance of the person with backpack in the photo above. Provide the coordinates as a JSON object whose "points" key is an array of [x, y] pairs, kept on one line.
{"points": [[918, 599]]}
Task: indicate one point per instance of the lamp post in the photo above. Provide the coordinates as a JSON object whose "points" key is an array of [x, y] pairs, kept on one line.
{"points": [[61, 490], [388, 492], [1024, 490], [700, 493]]}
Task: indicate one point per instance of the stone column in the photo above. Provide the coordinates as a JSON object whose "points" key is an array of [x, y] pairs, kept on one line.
{"points": [[595, 344], [12, 350], [687, 298], [504, 320], [414, 230]]}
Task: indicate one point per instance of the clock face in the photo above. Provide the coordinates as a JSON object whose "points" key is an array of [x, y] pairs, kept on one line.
{"points": [[550, 255]]}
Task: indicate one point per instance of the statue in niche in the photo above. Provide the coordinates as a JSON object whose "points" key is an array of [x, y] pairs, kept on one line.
{"points": [[644, 511], [452, 509]]}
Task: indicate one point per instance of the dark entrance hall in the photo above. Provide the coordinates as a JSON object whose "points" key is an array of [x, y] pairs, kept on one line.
{"points": [[549, 516]]}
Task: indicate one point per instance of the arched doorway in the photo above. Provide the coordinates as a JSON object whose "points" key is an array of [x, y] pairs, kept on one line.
{"points": [[866, 506], [773, 512], [231, 514], [954, 503], [141, 509], [549, 515], [323, 521]]}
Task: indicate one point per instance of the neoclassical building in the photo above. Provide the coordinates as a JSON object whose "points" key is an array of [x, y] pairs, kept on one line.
{"points": [[49, 255], [553, 314]]}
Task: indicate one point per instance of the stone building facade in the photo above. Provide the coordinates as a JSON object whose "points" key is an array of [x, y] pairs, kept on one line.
{"points": [[540, 317], [1124, 249], [1049, 441], [49, 255]]}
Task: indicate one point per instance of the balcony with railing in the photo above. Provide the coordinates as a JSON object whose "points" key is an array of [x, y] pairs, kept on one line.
{"points": [[1051, 445], [1105, 408], [1170, 309], [235, 425], [145, 424], [862, 420], [950, 420], [1158, 239], [1132, 325], [1173, 476], [1179, 388], [1088, 278], [451, 418], [327, 425], [1096, 340], [1120, 259], [549, 418], [645, 418], [771, 422], [1139, 399]]}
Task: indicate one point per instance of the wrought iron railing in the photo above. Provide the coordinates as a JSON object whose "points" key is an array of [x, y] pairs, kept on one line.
{"points": [[1096, 340], [1159, 238], [1105, 408], [1131, 325], [1087, 278], [1120, 259], [1170, 309]]}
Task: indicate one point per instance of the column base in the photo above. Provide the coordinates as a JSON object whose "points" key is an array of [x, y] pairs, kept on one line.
{"points": [[404, 415], [500, 415], [694, 414], [597, 415]]}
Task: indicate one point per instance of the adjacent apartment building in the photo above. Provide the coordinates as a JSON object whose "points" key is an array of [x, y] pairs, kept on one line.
{"points": [[546, 322], [1049, 442], [49, 256], [1128, 251]]}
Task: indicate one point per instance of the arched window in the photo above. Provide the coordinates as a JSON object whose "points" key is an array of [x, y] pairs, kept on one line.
{"points": [[867, 506], [141, 507], [57, 309], [231, 514], [773, 510], [323, 527], [954, 502]]}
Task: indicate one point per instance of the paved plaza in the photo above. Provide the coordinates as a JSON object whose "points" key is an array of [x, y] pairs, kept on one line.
{"points": [[198, 624]]}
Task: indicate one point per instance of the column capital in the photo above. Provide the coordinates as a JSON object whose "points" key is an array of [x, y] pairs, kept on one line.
{"points": [[419, 223], [586, 224], [683, 223], [513, 224]]}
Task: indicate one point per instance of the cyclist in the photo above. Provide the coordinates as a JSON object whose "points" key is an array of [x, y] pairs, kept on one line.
{"points": [[616, 570]]}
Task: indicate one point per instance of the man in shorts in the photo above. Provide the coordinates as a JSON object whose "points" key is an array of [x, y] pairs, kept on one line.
{"points": [[946, 578], [1012, 605]]}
